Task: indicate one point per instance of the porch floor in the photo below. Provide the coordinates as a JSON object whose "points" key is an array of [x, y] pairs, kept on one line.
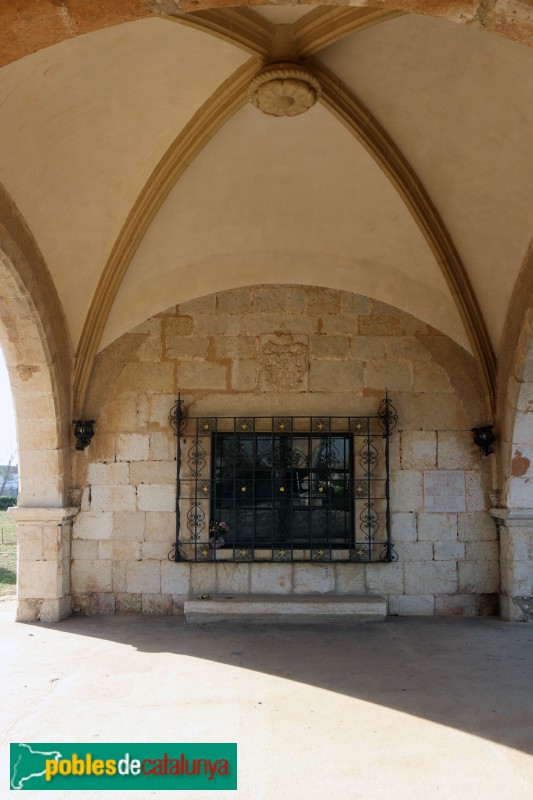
{"points": [[408, 709]]}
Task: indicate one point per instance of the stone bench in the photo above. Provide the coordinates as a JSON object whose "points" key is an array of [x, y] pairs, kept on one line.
{"points": [[286, 608]]}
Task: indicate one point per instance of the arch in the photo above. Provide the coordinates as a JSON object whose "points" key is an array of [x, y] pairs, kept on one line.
{"points": [[47, 22], [515, 450], [515, 387], [38, 355]]}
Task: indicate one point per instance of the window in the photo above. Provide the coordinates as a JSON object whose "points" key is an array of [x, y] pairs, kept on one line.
{"points": [[282, 491], [287, 488]]}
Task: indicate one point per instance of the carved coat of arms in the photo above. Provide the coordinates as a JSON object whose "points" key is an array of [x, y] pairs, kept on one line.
{"points": [[284, 360]]}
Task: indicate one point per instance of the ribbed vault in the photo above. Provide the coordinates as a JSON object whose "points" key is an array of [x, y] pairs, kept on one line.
{"points": [[301, 39]]}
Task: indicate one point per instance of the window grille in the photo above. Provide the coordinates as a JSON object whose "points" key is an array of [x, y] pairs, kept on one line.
{"points": [[283, 488]]}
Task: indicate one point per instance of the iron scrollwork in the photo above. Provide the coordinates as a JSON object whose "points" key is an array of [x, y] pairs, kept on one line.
{"points": [[288, 488]]}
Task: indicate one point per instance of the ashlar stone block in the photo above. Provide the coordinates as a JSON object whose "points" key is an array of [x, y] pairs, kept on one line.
{"points": [[437, 527], [459, 605], [129, 525], [127, 603], [476, 499], [160, 405], [406, 490], [396, 376], [155, 472], [203, 579], [143, 577], [314, 579], [271, 578], [482, 551], [236, 347], [219, 325], [385, 578], [162, 446], [178, 326], [415, 551], [439, 577], [403, 527], [186, 347], [156, 604], [156, 497], [456, 450], [235, 301], [132, 447], [243, 375], [93, 603], [430, 377], [323, 301], [479, 577], [368, 348], [91, 576], [449, 551], [341, 324], [419, 450], [412, 605], [232, 578], [30, 542], [200, 305], [120, 550], [271, 298], [155, 550], [323, 375], [476, 527], [38, 578], [350, 579], [82, 550], [330, 347], [202, 375], [145, 378], [101, 474], [113, 498], [175, 578], [160, 526], [93, 526]]}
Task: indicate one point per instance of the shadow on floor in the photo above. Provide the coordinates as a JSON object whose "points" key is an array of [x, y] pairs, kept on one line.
{"points": [[469, 674]]}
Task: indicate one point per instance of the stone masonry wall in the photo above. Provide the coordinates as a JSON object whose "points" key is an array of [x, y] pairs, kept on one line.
{"points": [[219, 352]]}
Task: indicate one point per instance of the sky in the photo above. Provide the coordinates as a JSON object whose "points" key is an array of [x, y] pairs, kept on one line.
{"points": [[8, 434]]}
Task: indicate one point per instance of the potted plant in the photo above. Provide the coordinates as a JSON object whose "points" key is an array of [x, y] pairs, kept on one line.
{"points": [[217, 529]]}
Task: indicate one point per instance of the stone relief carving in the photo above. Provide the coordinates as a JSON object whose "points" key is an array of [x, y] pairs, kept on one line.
{"points": [[284, 362], [284, 90]]}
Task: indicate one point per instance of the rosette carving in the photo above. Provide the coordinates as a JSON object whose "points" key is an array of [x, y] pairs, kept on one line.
{"points": [[284, 90]]}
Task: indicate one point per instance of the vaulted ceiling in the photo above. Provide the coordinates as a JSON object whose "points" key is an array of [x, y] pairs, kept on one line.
{"points": [[147, 178]]}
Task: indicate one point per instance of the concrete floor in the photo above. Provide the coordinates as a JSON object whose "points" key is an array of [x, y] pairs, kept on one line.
{"points": [[414, 708]]}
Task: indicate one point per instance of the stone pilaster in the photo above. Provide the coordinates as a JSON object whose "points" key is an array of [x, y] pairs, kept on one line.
{"points": [[43, 563], [516, 562]]}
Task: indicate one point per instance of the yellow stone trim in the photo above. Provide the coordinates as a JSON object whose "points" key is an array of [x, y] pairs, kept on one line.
{"points": [[303, 38], [236, 25], [207, 121], [325, 26], [367, 130]]}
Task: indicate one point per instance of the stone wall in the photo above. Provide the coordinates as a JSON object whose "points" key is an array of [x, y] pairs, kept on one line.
{"points": [[270, 350]]}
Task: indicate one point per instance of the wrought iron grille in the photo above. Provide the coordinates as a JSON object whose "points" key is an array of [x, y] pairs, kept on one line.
{"points": [[283, 488]]}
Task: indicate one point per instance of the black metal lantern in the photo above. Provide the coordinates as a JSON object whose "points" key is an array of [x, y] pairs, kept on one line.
{"points": [[83, 431], [484, 438]]}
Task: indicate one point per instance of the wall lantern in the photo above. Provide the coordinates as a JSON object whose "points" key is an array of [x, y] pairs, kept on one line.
{"points": [[484, 438], [83, 431]]}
